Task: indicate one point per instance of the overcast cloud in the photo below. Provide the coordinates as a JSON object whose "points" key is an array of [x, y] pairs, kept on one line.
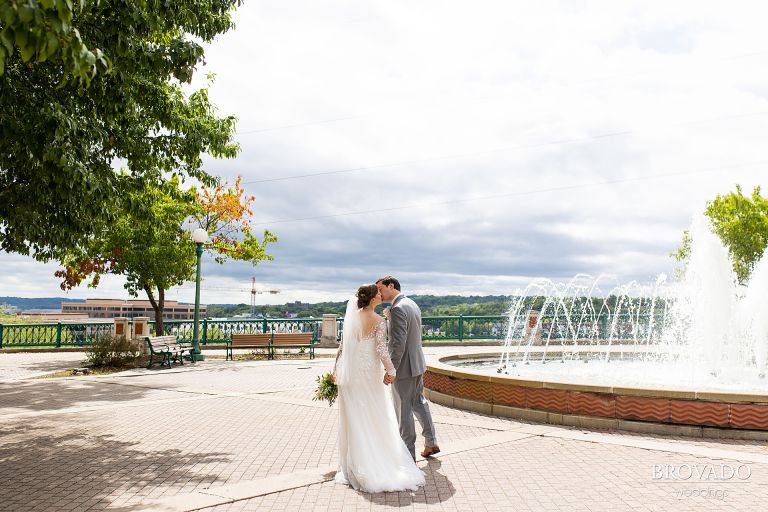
{"points": [[489, 142]]}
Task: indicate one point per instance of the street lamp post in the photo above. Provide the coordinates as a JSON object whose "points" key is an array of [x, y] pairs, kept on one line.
{"points": [[199, 236]]}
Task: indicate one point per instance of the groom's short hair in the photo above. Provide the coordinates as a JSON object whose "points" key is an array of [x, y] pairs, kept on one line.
{"points": [[388, 280]]}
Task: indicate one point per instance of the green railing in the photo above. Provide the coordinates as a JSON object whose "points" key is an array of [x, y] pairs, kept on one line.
{"points": [[462, 328], [457, 328], [60, 334], [434, 328], [623, 326], [220, 331], [212, 332]]}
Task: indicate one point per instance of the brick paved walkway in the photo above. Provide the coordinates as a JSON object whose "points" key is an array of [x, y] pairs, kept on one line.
{"points": [[24, 365], [232, 436]]}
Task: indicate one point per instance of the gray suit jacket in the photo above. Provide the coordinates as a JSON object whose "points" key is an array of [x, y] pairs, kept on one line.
{"points": [[405, 338]]}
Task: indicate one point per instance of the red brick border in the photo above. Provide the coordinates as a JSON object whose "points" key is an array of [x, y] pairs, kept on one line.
{"points": [[635, 407]]}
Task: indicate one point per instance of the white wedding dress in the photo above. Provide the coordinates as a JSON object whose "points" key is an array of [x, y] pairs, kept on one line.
{"points": [[372, 456]]}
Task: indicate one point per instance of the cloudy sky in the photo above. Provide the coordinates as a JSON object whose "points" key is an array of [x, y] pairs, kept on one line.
{"points": [[469, 147]]}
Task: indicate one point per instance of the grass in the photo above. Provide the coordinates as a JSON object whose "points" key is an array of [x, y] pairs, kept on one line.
{"points": [[94, 371], [55, 375], [250, 357], [261, 355], [101, 370]]}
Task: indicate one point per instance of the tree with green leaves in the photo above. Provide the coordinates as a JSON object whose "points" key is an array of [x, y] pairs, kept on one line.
{"points": [[86, 87], [741, 222], [155, 256]]}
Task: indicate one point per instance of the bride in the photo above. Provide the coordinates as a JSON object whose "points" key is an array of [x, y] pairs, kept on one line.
{"points": [[372, 456]]}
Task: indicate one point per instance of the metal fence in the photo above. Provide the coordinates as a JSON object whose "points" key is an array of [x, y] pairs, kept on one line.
{"points": [[596, 327], [212, 332], [60, 334], [434, 329], [220, 331], [457, 328]]}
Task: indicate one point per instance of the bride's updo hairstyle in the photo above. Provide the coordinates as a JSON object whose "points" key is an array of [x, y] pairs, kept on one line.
{"points": [[365, 294]]}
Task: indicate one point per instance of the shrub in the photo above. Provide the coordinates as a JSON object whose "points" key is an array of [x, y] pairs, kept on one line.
{"points": [[109, 350]]}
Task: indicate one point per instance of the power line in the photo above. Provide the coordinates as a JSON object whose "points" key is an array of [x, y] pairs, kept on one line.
{"points": [[573, 140], [512, 194], [418, 106]]}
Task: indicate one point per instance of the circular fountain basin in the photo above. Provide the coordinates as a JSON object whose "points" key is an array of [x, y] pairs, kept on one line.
{"points": [[578, 402]]}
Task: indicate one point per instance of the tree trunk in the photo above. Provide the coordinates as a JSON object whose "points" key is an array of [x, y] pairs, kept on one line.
{"points": [[158, 307]]}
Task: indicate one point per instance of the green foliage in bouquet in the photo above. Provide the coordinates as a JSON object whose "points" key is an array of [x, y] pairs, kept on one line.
{"points": [[326, 389]]}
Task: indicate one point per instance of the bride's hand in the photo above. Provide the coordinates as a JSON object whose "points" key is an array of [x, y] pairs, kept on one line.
{"points": [[333, 377]]}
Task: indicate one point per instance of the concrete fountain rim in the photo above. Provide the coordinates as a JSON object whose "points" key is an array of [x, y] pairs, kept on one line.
{"points": [[644, 410], [441, 365]]}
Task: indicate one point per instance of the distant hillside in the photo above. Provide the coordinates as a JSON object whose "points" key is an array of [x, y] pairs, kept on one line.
{"points": [[431, 305], [24, 303]]}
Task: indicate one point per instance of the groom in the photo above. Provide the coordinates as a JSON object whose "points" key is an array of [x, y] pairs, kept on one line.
{"points": [[408, 358]]}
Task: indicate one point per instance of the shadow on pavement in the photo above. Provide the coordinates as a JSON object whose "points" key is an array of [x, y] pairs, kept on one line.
{"points": [[436, 490], [46, 395], [43, 470], [52, 365]]}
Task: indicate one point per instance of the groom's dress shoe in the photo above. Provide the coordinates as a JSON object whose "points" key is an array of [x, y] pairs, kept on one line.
{"points": [[430, 451]]}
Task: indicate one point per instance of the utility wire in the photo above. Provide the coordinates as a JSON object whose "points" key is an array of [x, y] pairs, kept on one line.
{"points": [[419, 106], [513, 194], [534, 145]]}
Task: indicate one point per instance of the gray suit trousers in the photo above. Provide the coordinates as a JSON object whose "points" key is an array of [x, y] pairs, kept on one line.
{"points": [[409, 401]]}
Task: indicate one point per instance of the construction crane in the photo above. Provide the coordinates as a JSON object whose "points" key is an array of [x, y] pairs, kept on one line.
{"points": [[254, 291]]}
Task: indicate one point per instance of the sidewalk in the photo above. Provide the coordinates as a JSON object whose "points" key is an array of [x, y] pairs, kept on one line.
{"points": [[24, 365], [231, 436]]}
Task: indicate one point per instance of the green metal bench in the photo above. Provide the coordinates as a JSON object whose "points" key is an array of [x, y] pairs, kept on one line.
{"points": [[168, 347]]}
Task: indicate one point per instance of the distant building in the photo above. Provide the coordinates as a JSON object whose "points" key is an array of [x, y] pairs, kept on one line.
{"points": [[51, 315], [111, 308]]}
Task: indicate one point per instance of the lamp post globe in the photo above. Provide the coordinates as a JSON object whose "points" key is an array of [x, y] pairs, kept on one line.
{"points": [[199, 236]]}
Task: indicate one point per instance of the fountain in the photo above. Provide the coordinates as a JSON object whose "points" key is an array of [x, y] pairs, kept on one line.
{"points": [[684, 357]]}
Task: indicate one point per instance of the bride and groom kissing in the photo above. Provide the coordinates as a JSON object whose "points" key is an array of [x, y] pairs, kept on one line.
{"points": [[377, 434]]}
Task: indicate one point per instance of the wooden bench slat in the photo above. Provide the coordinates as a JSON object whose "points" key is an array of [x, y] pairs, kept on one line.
{"points": [[304, 338], [251, 340], [271, 340]]}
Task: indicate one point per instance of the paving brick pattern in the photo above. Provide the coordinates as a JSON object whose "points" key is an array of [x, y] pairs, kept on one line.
{"points": [[110, 443], [541, 474], [14, 366], [738, 445]]}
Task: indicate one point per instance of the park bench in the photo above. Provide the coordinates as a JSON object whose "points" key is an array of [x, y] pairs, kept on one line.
{"points": [[271, 341], [168, 347]]}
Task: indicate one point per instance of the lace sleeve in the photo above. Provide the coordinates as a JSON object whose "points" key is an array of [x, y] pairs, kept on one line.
{"points": [[381, 349], [338, 356]]}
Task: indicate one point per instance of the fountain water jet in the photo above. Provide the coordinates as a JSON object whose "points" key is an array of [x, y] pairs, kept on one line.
{"points": [[690, 353]]}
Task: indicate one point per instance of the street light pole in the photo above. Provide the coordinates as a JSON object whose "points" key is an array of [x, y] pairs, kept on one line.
{"points": [[199, 236]]}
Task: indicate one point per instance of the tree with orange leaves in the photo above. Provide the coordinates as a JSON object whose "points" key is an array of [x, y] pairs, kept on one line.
{"points": [[155, 251], [225, 213]]}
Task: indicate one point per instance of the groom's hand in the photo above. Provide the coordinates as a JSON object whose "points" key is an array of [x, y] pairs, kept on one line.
{"points": [[388, 379]]}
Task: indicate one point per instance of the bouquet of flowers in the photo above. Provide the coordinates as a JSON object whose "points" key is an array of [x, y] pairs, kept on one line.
{"points": [[326, 389]]}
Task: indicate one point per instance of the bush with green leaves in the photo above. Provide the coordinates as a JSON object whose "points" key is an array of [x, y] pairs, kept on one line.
{"points": [[112, 351], [741, 222]]}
